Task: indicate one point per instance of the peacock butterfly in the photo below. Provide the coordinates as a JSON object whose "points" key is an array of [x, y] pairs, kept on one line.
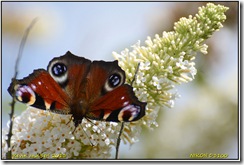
{"points": [[76, 86]]}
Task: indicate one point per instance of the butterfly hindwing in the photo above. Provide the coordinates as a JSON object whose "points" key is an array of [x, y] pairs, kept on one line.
{"points": [[119, 105]]}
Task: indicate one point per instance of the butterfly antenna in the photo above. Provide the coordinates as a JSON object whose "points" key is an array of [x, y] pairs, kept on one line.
{"points": [[95, 125], [69, 122], [82, 129], [87, 136]]}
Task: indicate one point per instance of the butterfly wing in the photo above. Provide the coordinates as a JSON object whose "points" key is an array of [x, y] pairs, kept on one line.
{"points": [[58, 89], [75, 85], [40, 90], [120, 104], [100, 72], [109, 98], [70, 72]]}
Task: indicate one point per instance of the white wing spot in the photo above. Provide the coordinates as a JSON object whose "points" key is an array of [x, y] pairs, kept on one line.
{"points": [[125, 103], [33, 86]]}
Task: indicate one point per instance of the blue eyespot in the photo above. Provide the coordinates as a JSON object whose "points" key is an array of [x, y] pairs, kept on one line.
{"points": [[59, 69], [114, 80]]}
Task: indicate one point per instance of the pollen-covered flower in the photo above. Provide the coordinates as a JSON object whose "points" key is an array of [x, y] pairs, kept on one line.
{"points": [[168, 59], [56, 139]]}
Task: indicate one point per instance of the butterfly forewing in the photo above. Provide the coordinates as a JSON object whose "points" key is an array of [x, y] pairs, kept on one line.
{"points": [[41, 91], [70, 72], [98, 76]]}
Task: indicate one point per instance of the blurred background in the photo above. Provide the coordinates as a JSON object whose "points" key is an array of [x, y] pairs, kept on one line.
{"points": [[204, 119]]}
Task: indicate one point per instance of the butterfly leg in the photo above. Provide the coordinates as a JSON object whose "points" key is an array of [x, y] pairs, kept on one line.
{"points": [[88, 137], [71, 118]]}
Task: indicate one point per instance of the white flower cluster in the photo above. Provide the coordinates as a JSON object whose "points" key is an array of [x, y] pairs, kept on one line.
{"points": [[169, 59], [39, 134]]}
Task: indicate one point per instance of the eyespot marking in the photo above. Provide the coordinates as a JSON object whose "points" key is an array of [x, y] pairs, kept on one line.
{"points": [[113, 81], [59, 72], [129, 113], [25, 94]]}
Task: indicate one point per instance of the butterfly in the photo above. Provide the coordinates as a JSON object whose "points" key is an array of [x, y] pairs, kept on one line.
{"points": [[77, 86]]}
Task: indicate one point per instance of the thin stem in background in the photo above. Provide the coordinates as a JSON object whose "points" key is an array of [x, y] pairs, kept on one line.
{"points": [[118, 140], [12, 104], [122, 124]]}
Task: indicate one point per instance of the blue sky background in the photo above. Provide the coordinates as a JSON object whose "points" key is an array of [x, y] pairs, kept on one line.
{"points": [[92, 30], [96, 29]]}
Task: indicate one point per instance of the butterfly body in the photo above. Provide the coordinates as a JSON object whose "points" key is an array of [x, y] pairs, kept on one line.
{"points": [[82, 88]]}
